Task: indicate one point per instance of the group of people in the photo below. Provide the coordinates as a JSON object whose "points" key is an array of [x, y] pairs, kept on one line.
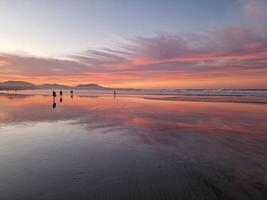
{"points": [[71, 95], [61, 94]]}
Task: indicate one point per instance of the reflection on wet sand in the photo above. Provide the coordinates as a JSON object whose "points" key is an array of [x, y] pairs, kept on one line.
{"points": [[131, 148]]}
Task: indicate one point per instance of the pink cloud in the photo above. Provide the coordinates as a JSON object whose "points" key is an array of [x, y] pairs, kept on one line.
{"points": [[255, 9]]}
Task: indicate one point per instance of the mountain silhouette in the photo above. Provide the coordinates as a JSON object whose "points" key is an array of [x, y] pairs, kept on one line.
{"points": [[19, 85], [22, 85]]}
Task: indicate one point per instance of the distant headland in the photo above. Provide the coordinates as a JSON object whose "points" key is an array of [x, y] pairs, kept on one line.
{"points": [[22, 85]]}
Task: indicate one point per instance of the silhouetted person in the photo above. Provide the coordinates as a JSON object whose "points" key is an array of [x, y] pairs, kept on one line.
{"points": [[71, 93], [60, 92], [54, 94], [60, 99], [114, 94]]}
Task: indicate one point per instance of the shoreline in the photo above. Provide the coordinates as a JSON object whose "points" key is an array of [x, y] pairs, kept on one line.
{"points": [[191, 98], [206, 100]]}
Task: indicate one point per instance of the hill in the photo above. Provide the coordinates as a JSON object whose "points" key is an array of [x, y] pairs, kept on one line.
{"points": [[53, 86], [19, 85], [22, 85], [90, 87]]}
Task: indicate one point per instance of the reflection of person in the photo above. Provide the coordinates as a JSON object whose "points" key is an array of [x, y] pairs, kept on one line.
{"points": [[60, 99], [54, 105], [54, 100]]}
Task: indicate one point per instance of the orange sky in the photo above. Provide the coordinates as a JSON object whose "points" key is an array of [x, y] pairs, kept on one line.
{"points": [[167, 81], [169, 65], [224, 47], [218, 69]]}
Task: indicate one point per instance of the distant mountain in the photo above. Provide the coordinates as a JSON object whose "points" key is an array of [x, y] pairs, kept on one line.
{"points": [[90, 87], [22, 85], [53, 86], [19, 85]]}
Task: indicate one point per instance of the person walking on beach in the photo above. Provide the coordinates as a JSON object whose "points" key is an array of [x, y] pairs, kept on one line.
{"points": [[54, 99], [71, 93], [114, 94], [61, 93]]}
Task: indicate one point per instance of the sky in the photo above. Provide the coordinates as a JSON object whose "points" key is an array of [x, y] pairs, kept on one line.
{"points": [[137, 44]]}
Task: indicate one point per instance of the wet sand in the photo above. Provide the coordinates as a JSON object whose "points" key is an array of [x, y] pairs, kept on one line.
{"points": [[131, 148]]}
